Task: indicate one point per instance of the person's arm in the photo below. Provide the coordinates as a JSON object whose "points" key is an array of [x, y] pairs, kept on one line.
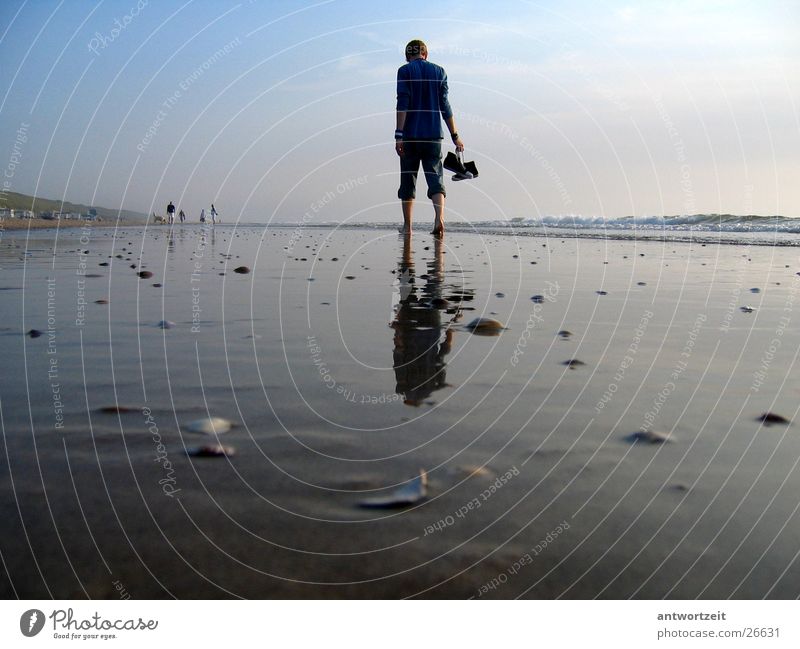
{"points": [[398, 132], [451, 126], [403, 104], [447, 114]]}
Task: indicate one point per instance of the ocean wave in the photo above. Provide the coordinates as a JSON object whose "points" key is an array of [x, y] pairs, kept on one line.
{"points": [[703, 228], [696, 222]]}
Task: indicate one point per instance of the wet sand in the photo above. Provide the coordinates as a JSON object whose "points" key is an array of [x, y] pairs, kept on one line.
{"points": [[345, 361]]}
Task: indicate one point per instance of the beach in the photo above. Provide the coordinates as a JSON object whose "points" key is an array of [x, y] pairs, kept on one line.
{"points": [[605, 443]]}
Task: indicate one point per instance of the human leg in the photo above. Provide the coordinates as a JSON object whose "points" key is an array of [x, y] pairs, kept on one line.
{"points": [[408, 210], [438, 210], [431, 159], [409, 167]]}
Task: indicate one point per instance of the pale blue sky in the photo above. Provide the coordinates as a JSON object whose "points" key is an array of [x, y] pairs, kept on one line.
{"points": [[584, 107]]}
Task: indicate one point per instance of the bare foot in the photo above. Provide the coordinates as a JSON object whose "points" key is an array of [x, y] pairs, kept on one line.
{"points": [[404, 230], [438, 231]]}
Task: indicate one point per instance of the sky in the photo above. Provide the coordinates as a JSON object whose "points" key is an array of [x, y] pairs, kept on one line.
{"points": [[281, 111]]}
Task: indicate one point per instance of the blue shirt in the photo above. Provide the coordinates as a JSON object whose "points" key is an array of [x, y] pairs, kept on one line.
{"points": [[422, 94]]}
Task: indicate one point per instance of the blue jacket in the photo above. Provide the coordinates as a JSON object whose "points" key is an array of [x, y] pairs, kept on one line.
{"points": [[422, 94]]}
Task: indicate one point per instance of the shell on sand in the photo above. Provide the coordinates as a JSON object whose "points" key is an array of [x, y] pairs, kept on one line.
{"points": [[211, 450], [474, 470], [144, 274], [486, 326], [209, 426], [650, 437], [408, 494], [242, 270], [166, 324], [746, 309]]}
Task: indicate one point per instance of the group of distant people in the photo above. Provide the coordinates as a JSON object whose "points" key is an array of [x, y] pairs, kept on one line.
{"points": [[182, 216]]}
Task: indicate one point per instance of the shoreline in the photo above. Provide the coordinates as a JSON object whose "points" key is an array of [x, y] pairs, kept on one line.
{"points": [[45, 224]]}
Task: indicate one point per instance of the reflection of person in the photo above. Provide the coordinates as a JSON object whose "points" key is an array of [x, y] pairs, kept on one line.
{"points": [[421, 105], [182, 216], [419, 350], [203, 215]]}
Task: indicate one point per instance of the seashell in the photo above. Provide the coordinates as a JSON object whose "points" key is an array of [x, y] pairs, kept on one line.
{"points": [[486, 326], [34, 333], [144, 274], [769, 418], [211, 450], [538, 299], [242, 270], [101, 301], [166, 324], [476, 471], [746, 309], [650, 437], [565, 334], [408, 494], [209, 426], [602, 292]]}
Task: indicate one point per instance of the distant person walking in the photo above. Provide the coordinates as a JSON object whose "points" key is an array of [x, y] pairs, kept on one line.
{"points": [[182, 216], [421, 105], [203, 215], [170, 213], [213, 214]]}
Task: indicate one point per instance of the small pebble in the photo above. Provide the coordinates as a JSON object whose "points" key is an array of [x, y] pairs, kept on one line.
{"points": [[486, 326], [116, 410], [573, 363], [211, 450], [650, 437], [242, 270], [770, 418], [144, 274]]}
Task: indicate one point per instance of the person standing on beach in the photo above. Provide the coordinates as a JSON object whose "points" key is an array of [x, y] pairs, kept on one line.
{"points": [[170, 213], [213, 214], [182, 216], [421, 105]]}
